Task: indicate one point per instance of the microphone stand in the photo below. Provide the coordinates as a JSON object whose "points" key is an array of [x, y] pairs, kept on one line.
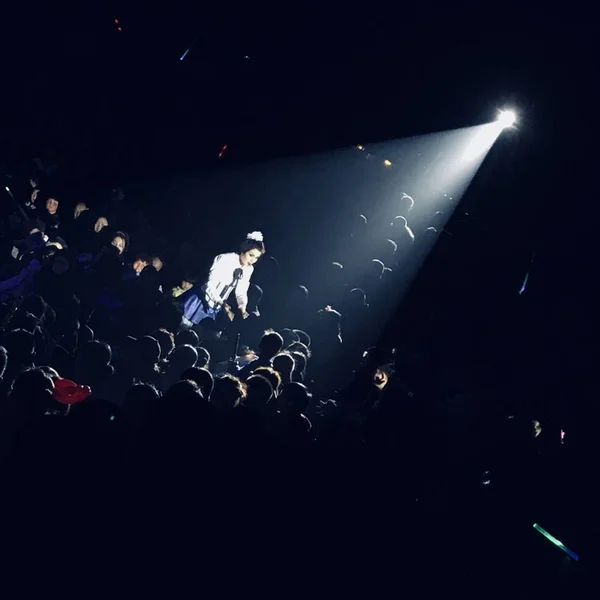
{"points": [[237, 275]]}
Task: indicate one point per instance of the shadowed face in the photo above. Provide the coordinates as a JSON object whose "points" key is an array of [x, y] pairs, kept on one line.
{"points": [[250, 257], [186, 285], [79, 209], [119, 243], [139, 265], [100, 224], [52, 205]]}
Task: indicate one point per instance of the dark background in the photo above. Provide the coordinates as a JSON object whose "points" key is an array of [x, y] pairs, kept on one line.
{"points": [[120, 108]]}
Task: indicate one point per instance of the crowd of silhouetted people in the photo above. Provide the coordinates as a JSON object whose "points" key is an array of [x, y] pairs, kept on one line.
{"points": [[100, 383]]}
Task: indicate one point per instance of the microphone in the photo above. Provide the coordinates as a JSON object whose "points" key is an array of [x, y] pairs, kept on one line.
{"points": [[237, 275]]}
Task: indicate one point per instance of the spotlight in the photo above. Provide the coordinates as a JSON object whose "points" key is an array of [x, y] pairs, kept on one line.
{"points": [[387, 163], [507, 118]]}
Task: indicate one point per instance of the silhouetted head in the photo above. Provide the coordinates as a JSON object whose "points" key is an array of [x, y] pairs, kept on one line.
{"points": [[300, 347], [95, 354], [335, 273], [60, 262], [289, 336], [35, 305], [259, 392], [283, 363], [270, 344], [182, 358], [294, 398], [358, 228], [399, 222], [24, 320], [228, 392], [35, 226], [303, 337], [184, 392], [166, 341], [203, 379], [85, 335], [329, 322], [32, 392], [406, 204], [299, 293], [51, 372], [203, 358], [429, 236], [140, 398], [437, 220], [148, 350], [387, 251], [299, 362], [272, 375], [189, 337], [376, 268], [357, 299]]}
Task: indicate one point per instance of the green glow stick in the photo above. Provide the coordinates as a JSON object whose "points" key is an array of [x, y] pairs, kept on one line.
{"points": [[556, 542]]}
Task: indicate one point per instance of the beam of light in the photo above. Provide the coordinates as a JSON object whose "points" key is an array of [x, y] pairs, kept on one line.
{"points": [[556, 542], [482, 141], [488, 134], [507, 118], [222, 150], [184, 54]]}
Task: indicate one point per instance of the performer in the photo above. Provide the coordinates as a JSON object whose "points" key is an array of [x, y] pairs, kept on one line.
{"points": [[229, 272]]}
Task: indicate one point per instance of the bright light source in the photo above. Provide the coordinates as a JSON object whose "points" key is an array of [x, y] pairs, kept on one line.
{"points": [[359, 147], [387, 163], [7, 189], [507, 118]]}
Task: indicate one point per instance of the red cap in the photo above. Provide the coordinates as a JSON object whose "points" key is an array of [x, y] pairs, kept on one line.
{"points": [[69, 392]]}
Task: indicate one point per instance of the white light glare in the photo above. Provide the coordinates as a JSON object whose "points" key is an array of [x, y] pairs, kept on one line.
{"points": [[507, 118], [387, 163], [7, 189]]}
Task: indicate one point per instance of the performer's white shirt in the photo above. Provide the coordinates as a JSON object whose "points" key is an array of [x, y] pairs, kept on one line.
{"points": [[221, 275]]}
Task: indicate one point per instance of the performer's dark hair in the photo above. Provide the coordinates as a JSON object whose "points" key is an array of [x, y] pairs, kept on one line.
{"points": [[249, 244]]}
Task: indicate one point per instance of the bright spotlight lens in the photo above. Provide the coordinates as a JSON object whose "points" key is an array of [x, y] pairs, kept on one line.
{"points": [[507, 118]]}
